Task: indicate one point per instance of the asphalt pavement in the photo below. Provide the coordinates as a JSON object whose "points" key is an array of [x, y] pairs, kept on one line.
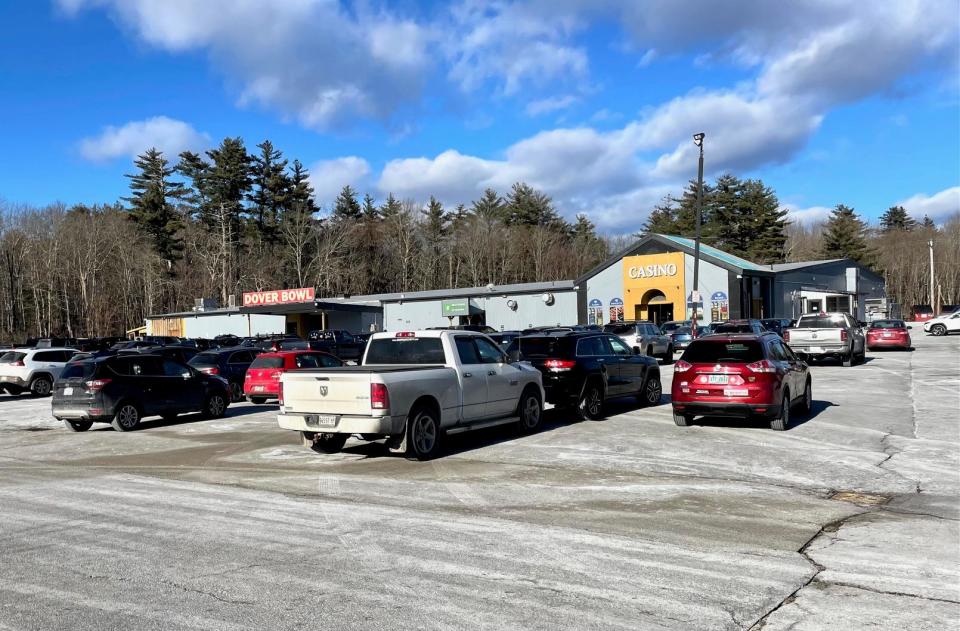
{"points": [[850, 519]]}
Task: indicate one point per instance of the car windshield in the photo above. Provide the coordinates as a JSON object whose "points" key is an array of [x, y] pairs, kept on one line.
{"points": [[404, 350], [540, 347], [719, 351], [733, 328], [619, 329], [887, 324], [683, 330], [293, 345], [822, 321], [267, 362], [671, 326], [9, 358]]}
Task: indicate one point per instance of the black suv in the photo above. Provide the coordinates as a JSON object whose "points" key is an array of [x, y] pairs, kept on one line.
{"points": [[583, 369], [122, 389], [228, 363]]}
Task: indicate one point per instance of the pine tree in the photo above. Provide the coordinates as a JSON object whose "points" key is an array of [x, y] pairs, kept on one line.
{"points": [[767, 237], [300, 197], [391, 207], [896, 218], [228, 177], [928, 223], [370, 210], [663, 217], [845, 236], [489, 206], [150, 203], [346, 207], [271, 187], [196, 198], [527, 206], [733, 219], [685, 224]]}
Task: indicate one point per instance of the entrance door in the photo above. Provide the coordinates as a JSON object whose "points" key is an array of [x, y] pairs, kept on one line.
{"points": [[660, 313]]}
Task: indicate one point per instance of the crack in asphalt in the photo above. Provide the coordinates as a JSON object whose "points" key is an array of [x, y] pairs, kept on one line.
{"points": [[210, 594], [889, 593]]}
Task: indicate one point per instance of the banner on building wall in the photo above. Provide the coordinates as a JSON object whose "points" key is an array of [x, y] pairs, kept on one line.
{"points": [[595, 312], [278, 297], [719, 307], [616, 310]]}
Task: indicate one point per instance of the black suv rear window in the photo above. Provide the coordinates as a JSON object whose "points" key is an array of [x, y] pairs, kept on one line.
{"points": [[81, 370], [705, 351], [405, 350], [542, 347], [205, 359]]}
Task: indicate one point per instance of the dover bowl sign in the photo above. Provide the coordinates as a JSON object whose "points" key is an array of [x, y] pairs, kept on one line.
{"points": [[278, 297]]}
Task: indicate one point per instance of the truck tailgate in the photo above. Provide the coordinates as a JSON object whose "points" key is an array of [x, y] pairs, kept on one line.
{"points": [[333, 392]]}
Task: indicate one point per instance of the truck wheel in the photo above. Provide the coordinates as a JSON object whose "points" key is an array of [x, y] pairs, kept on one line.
{"points": [[848, 359], [41, 386], [782, 421], [423, 434], [126, 418], [681, 420], [590, 406], [530, 411], [78, 426], [651, 392], [329, 443]]}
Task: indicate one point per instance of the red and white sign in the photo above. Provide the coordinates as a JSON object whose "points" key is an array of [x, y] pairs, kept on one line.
{"points": [[278, 297]]}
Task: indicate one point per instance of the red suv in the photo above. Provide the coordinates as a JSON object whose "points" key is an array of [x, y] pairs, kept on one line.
{"points": [[262, 380], [740, 375]]}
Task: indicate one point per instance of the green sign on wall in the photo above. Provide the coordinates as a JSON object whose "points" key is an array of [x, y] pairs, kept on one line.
{"points": [[453, 308]]}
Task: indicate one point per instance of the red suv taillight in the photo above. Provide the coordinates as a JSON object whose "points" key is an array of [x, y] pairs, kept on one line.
{"points": [[559, 364], [276, 374], [764, 365], [19, 363], [96, 385], [210, 370], [379, 397], [681, 366]]}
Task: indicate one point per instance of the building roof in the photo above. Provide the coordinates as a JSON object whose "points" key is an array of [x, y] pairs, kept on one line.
{"points": [[789, 267], [707, 253], [476, 292], [185, 314]]}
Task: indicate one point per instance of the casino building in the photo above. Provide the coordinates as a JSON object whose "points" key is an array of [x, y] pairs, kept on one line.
{"points": [[652, 279]]}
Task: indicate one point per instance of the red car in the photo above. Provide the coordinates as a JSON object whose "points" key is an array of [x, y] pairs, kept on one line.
{"points": [[888, 334], [922, 313], [262, 380], [740, 375]]}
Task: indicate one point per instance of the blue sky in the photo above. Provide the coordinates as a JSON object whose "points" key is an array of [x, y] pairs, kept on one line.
{"points": [[592, 101]]}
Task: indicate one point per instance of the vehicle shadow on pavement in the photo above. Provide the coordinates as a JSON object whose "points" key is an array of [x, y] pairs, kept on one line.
{"points": [[796, 418], [155, 422]]}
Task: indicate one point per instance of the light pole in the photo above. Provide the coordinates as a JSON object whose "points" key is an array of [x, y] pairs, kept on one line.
{"points": [[933, 298], [697, 140]]}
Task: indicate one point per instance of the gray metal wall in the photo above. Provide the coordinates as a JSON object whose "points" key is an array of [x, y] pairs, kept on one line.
{"points": [[211, 326], [531, 311], [355, 321], [713, 279], [605, 286], [827, 277]]}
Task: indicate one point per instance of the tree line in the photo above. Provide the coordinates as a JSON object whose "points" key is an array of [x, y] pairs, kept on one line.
{"points": [[225, 221]]}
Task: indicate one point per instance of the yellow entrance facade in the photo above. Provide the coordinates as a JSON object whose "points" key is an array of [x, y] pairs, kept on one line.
{"points": [[654, 287]]}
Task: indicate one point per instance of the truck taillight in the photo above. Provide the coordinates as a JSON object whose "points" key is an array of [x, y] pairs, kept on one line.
{"points": [[764, 365], [559, 364], [406, 334], [786, 335], [280, 393], [379, 397], [681, 366], [843, 335], [95, 385]]}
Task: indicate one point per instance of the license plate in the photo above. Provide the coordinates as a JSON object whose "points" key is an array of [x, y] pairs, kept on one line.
{"points": [[735, 392], [321, 420], [258, 388], [721, 379], [67, 392], [885, 334], [815, 349]]}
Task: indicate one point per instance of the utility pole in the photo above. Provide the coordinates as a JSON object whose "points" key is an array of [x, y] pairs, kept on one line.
{"points": [[933, 296], [695, 296]]}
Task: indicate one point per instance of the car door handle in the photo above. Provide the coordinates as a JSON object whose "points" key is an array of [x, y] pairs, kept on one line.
{"points": [[600, 361], [491, 372], [467, 374]]}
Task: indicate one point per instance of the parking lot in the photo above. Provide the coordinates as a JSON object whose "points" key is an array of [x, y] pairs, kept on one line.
{"points": [[850, 519]]}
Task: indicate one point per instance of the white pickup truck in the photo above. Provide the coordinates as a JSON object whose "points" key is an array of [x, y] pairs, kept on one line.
{"points": [[823, 335], [412, 387]]}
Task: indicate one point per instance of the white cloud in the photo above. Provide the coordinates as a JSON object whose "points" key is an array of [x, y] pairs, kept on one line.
{"points": [[166, 134], [552, 104], [312, 59], [939, 206], [328, 177], [809, 215]]}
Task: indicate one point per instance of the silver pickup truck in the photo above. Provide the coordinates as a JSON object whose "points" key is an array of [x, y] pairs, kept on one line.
{"points": [[828, 335], [412, 388]]}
